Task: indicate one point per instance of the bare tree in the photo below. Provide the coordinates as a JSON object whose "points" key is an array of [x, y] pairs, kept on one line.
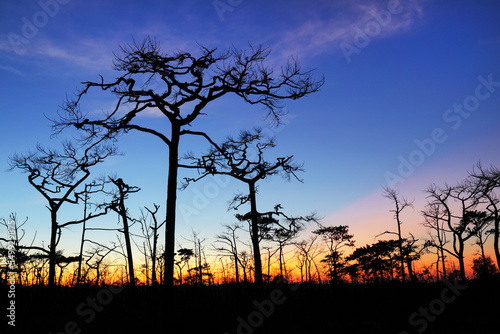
{"points": [[227, 242], [307, 251], [400, 204], [15, 250], [150, 234], [98, 254], [464, 196], [243, 159], [185, 254], [187, 85], [118, 205], [435, 219], [488, 180], [57, 176]]}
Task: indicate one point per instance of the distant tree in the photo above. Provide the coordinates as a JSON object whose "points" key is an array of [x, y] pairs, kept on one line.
{"points": [[336, 238], [412, 253], [435, 218], [480, 223], [118, 205], [376, 261], [188, 83], [243, 159], [464, 194], [400, 204], [185, 255], [311, 250], [96, 259], [483, 267], [14, 252], [150, 234], [488, 181], [57, 176], [227, 242]]}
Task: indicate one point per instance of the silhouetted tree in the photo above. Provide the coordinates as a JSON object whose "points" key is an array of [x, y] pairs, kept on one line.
{"points": [[376, 260], [96, 258], [336, 238], [307, 251], [488, 180], [412, 253], [13, 253], [57, 176], [243, 159], [435, 218], [150, 234], [188, 84], [464, 194], [118, 205], [227, 242], [483, 267], [400, 204], [185, 254]]}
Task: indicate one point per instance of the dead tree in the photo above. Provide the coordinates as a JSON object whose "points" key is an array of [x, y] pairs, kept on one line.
{"points": [[243, 159], [400, 205], [57, 176], [98, 255], [150, 234], [187, 84], [307, 251], [15, 253], [119, 195], [488, 180], [464, 196], [227, 242], [435, 218]]}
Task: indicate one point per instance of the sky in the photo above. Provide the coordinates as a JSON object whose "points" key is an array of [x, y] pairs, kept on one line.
{"points": [[411, 98]]}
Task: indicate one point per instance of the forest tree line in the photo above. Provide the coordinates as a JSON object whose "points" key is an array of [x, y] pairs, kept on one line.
{"points": [[260, 245]]}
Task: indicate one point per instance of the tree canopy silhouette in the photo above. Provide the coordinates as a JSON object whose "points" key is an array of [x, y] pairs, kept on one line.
{"points": [[187, 84]]}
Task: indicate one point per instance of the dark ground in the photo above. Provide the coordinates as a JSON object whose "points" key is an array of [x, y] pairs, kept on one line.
{"points": [[345, 308]]}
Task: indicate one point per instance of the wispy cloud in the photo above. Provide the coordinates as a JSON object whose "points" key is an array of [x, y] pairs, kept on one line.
{"points": [[11, 70], [320, 35]]}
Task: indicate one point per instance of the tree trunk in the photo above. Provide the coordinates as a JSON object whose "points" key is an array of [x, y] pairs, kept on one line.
{"points": [[80, 258], [401, 254], [128, 245], [236, 269], [52, 250], [173, 165], [496, 238], [153, 257], [461, 260], [255, 234]]}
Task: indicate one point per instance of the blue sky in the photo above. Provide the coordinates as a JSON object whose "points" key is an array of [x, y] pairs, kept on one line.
{"points": [[395, 73]]}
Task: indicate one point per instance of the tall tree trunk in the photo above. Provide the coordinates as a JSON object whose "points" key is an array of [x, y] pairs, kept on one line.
{"points": [[255, 234], [80, 257], [497, 237], [128, 244], [461, 260], [52, 250], [401, 254], [236, 269], [153, 257], [173, 165]]}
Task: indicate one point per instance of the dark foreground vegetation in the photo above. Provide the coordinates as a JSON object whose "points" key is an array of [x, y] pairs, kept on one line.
{"points": [[448, 307]]}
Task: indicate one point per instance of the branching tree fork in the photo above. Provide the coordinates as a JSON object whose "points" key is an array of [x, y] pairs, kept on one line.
{"points": [[57, 176], [188, 84], [243, 159]]}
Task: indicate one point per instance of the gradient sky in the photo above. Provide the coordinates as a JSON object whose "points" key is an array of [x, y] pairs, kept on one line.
{"points": [[396, 73]]}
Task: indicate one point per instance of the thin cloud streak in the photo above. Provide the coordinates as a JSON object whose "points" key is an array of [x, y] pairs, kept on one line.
{"points": [[319, 35]]}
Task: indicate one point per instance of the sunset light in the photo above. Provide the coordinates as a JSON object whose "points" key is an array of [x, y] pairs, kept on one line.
{"points": [[236, 166]]}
